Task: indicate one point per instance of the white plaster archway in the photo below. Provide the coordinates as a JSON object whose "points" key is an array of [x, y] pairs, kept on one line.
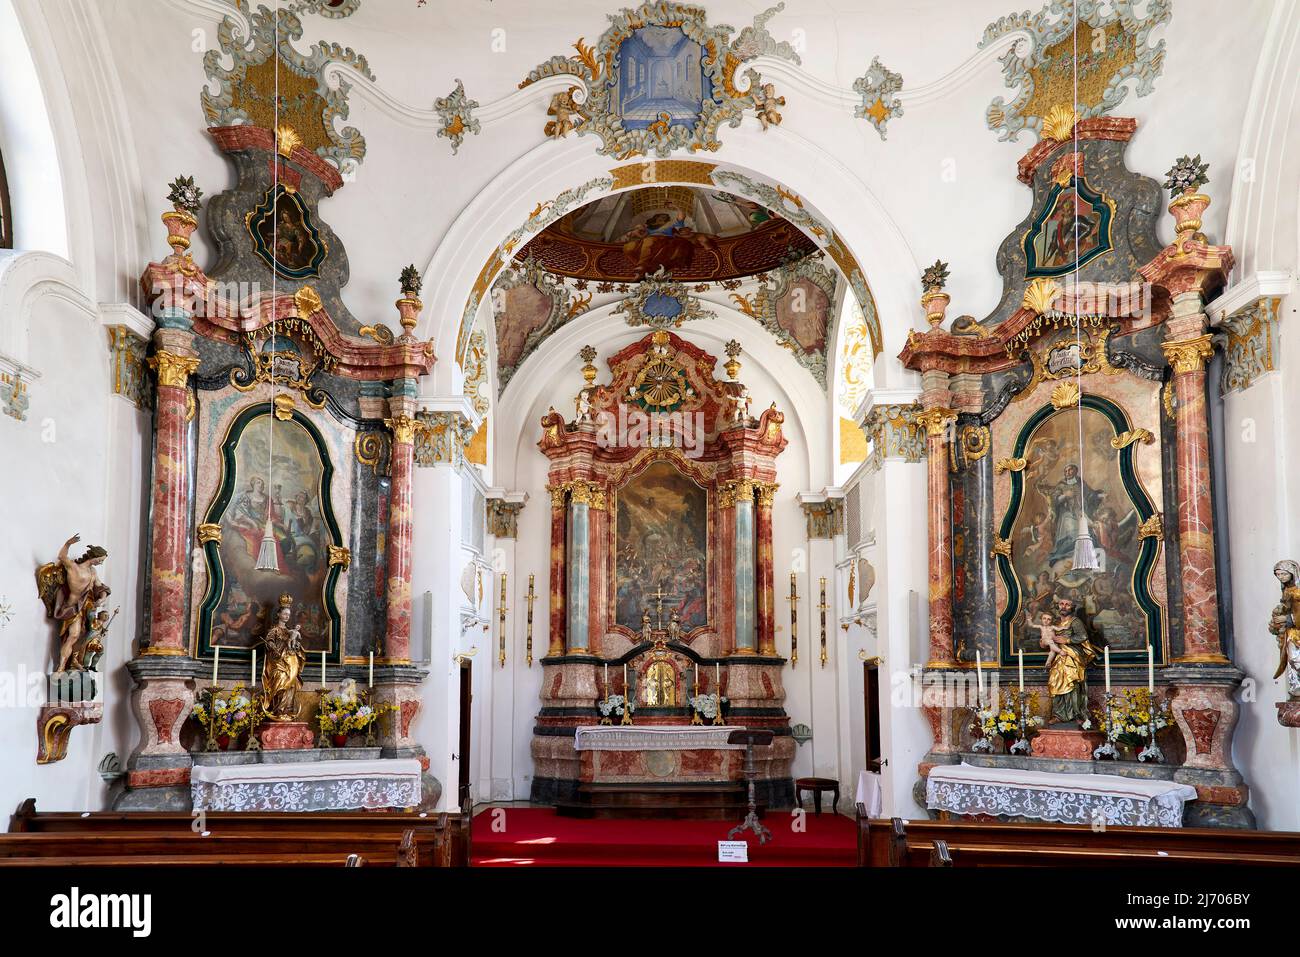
{"points": [[775, 157]]}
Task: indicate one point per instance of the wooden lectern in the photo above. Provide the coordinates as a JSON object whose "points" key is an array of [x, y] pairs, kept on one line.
{"points": [[750, 739]]}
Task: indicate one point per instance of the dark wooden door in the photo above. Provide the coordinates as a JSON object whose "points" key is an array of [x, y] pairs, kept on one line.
{"points": [[466, 697], [871, 711]]}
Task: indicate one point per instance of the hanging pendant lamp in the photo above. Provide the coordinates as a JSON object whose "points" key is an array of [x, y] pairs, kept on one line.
{"points": [[267, 554], [1085, 551]]}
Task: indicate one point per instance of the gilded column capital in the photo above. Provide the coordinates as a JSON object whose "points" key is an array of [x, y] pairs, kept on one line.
{"points": [[557, 494], [503, 517], [732, 491], [441, 438], [824, 519], [403, 428], [935, 421], [173, 370], [586, 493], [766, 493], [1189, 355]]}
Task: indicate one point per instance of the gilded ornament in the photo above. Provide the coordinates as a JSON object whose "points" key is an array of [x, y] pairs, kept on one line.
{"points": [[1189, 355], [307, 301], [1153, 527], [284, 406], [1010, 465], [1066, 396], [368, 447], [173, 370], [1039, 295], [340, 555], [1059, 123], [766, 493], [286, 138], [209, 532], [403, 428], [1125, 439], [935, 421], [1001, 546]]}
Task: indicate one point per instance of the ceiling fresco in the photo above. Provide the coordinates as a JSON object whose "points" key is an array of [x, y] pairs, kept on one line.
{"points": [[696, 234]]}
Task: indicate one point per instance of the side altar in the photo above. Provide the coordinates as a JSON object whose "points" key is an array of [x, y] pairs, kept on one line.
{"points": [[661, 586], [1077, 607]]}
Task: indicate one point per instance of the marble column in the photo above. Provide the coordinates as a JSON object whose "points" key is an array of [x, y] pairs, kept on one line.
{"points": [[766, 601], [175, 361], [597, 548], [558, 546], [579, 555], [744, 585], [397, 626], [935, 419], [1187, 354]]}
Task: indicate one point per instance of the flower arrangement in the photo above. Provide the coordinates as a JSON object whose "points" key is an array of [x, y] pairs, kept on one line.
{"points": [[232, 714], [615, 704], [184, 195], [1130, 717], [341, 714], [1000, 718], [1187, 175], [706, 705]]}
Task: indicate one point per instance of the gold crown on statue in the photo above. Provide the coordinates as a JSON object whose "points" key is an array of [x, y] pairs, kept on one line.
{"points": [[286, 600]]}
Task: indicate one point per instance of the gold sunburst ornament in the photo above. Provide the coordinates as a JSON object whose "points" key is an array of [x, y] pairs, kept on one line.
{"points": [[286, 138], [1039, 296]]}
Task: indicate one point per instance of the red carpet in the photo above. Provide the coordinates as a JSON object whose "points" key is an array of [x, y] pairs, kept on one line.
{"points": [[540, 837]]}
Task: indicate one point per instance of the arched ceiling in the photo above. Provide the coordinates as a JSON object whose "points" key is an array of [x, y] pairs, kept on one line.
{"points": [[697, 234]]}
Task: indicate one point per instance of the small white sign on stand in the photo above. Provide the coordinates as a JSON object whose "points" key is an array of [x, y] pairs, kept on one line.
{"points": [[733, 852]]}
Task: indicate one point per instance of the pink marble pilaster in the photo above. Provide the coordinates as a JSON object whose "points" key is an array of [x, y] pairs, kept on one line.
{"points": [[937, 418], [401, 530], [558, 586], [1195, 506], [763, 572]]}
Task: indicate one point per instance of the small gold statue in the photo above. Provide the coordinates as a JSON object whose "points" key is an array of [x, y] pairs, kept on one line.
{"points": [[282, 672], [1284, 625]]}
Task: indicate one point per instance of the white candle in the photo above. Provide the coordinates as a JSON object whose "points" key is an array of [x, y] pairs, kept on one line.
{"points": [[372, 669], [979, 678], [216, 660], [252, 672], [625, 681], [607, 681], [1151, 670], [1107, 655], [322, 669], [717, 679], [1020, 660]]}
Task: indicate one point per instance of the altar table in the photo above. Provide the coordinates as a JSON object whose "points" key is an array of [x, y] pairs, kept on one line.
{"points": [[1064, 798], [650, 737], [306, 786]]}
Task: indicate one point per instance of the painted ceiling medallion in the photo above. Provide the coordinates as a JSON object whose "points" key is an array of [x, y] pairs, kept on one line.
{"points": [[1114, 53], [284, 236], [661, 78], [697, 234], [309, 104], [661, 302], [879, 88]]}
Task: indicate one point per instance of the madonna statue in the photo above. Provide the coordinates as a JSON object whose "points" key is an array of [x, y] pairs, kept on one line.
{"points": [[1067, 671], [282, 672]]}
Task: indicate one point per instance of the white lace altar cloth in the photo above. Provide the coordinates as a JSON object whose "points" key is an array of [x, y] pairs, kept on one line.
{"points": [[307, 786], [1066, 798], [651, 737]]}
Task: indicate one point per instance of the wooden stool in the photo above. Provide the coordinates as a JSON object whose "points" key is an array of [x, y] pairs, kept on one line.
{"points": [[817, 786]]}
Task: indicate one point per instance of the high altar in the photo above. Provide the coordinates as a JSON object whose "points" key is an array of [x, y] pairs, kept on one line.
{"points": [[1078, 411], [661, 582]]}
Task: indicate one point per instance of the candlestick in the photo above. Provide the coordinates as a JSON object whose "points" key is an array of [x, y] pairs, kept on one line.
{"points": [[1020, 660], [532, 596], [607, 680], [1106, 653], [625, 681], [717, 679], [371, 682], [252, 672], [501, 631], [979, 678], [216, 662], [1151, 670], [794, 621], [823, 606], [322, 669]]}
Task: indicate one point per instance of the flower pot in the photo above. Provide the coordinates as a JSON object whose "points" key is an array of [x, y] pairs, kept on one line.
{"points": [[223, 742], [340, 740]]}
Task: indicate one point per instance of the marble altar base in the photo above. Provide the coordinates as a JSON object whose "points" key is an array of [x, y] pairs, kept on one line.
{"points": [[1070, 743], [286, 735]]}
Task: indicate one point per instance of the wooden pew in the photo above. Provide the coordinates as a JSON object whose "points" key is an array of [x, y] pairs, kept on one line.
{"points": [[189, 860], [895, 843], [450, 832], [406, 849]]}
